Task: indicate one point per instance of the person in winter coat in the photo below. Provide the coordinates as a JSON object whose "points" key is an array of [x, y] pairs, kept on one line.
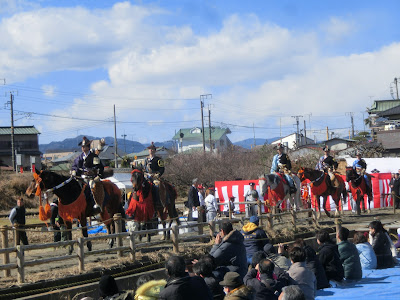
{"points": [[365, 251], [254, 237], [17, 218], [265, 286], [277, 258], [381, 245], [229, 250], [193, 199], [204, 268], [349, 256], [180, 286], [234, 287], [211, 205], [313, 263], [328, 255], [300, 275]]}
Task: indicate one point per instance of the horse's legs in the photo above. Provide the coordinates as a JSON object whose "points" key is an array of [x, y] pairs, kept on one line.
{"points": [[326, 211], [83, 220], [164, 225], [110, 230], [68, 236]]}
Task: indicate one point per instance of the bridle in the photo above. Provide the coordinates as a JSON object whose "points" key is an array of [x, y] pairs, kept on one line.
{"points": [[136, 188]]}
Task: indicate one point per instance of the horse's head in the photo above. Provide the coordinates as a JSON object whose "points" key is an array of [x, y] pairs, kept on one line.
{"points": [[31, 190], [350, 173], [137, 179], [262, 182]]}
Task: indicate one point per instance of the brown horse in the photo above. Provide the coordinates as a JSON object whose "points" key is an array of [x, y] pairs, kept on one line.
{"points": [[74, 200], [147, 199], [321, 186], [358, 189]]}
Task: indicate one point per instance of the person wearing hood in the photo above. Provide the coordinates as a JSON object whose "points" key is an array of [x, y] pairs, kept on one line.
{"points": [[254, 237], [277, 257], [181, 286], [229, 250], [148, 288], [328, 256]]}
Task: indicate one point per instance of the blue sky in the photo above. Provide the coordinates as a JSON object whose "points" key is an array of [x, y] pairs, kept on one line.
{"points": [[69, 62]]}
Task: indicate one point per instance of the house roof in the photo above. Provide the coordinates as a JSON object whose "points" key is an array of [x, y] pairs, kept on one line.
{"points": [[382, 105], [195, 133], [339, 139], [294, 133], [108, 153], [146, 152], [390, 112], [68, 157], [20, 130]]}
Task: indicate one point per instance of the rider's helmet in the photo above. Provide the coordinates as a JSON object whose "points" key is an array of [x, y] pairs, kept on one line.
{"points": [[152, 146], [85, 142], [326, 148]]}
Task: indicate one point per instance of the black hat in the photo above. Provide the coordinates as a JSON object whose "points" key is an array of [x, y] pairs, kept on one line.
{"points": [[269, 248], [85, 142], [280, 146], [232, 279], [107, 286], [326, 148], [152, 146]]}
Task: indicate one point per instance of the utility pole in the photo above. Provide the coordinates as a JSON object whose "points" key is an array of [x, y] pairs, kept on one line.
{"points": [[12, 131], [305, 133], [115, 140], [209, 126], [298, 134], [254, 133], [327, 133], [124, 136], [202, 97], [397, 89], [352, 124]]}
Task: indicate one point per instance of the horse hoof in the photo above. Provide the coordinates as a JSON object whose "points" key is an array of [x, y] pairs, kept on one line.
{"points": [[89, 245], [148, 238]]}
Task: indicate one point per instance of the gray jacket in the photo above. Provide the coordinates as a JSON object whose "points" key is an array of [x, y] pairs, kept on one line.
{"points": [[304, 278]]}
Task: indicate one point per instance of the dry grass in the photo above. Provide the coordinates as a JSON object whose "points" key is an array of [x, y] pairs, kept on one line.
{"points": [[13, 186]]}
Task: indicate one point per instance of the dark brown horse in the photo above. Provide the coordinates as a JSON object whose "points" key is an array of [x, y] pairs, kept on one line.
{"points": [[358, 189], [147, 199], [321, 186], [73, 200]]}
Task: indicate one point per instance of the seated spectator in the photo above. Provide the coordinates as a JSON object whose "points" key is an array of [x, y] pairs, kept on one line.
{"points": [[313, 263], [180, 286], [348, 254], [277, 258], [365, 251], [234, 287], [381, 245], [328, 256], [148, 288], [292, 292], [254, 237], [397, 245], [108, 288], [257, 257], [204, 269], [300, 274], [265, 287], [229, 250]]}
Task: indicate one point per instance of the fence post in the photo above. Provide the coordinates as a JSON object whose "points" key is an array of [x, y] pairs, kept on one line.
{"points": [[81, 254], [199, 220], [20, 263], [17, 238], [259, 212], [270, 222], [230, 210], [118, 229], [212, 229], [394, 202], [175, 238], [293, 213], [132, 246], [4, 244]]}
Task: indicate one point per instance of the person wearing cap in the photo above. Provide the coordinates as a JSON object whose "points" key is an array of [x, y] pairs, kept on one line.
{"points": [[360, 166], [328, 164], [211, 205], [251, 195], [281, 164], [234, 287], [254, 237], [154, 165], [395, 189], [87, 160], [193, 199]]}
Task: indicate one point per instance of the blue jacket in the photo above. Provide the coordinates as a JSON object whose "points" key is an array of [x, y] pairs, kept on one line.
{"points": [[359, 163], [367, 256], [254, 238]]}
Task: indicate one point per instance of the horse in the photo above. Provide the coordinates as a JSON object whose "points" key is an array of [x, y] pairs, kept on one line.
{"points": [[321, 186], [358, 189], [145, 202], [73, 200], [280, 191]]}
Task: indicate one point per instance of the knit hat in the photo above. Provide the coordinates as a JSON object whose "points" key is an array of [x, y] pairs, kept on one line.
{"points": [[232, 279], [107, 286], [254, 219], [269, 248]]}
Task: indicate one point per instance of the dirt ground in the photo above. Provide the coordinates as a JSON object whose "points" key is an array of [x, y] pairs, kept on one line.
{"points": [[282, 232]]}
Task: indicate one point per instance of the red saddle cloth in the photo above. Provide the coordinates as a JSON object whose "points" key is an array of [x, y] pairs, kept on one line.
{"points": [[143, 208], [283, 178]]}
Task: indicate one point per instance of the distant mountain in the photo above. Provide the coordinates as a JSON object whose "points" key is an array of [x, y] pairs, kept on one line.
{"points": [[248, 143], [71, 144]]}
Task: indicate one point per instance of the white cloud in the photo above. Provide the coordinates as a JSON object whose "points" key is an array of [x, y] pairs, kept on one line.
{"points": [[48, 90], [337, 28]]}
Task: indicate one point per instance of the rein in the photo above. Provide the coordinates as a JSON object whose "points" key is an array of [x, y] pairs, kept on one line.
{"points": [[322, 175], [58, 186]]}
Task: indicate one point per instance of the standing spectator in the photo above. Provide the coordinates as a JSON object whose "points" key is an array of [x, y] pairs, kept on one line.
{"points": [[381, 245], [277, 258], [328, 255], [349, 256], [229, 250], [254, 237], [251, 195], [211, 205], [365, 251], [193, 199], [234, 287], [17, 218], [202, 211], [261, 280], [292, 292], [300, 274], [313, 263], [395, 186], [180, 286]]}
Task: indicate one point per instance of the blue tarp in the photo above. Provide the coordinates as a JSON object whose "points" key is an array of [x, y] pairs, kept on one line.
{"points": [[375, 284], [97, 229]]}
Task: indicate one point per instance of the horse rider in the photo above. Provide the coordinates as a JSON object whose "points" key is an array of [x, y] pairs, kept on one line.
{"points": [[154, 166], [88, 161], [328, 165], [281, 164], [359, 165]]}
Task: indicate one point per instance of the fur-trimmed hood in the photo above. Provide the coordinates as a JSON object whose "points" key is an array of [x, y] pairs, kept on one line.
{"points": [[150, 290]]}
